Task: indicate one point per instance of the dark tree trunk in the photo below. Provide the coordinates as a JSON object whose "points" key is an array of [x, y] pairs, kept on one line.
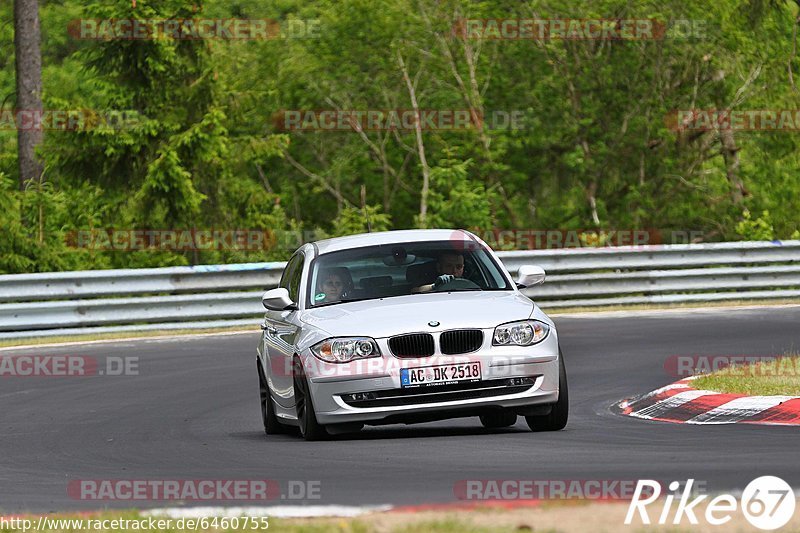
{"points": [[730, 152], [27, 37]]}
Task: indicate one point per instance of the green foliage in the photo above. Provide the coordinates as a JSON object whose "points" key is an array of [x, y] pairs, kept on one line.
{"points": [[15, 249], [34, 246], [352, 220], [759, 229], [593, 145], [455, 200]]}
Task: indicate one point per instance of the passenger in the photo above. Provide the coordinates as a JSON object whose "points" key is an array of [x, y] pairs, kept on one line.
{"points": [[333, 285]]}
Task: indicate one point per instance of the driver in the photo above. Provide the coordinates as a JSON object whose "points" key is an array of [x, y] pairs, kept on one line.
{"points": [[450, 266]]}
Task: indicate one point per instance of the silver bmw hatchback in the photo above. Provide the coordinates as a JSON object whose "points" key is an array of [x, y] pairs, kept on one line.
{"points": [[403, 327]]}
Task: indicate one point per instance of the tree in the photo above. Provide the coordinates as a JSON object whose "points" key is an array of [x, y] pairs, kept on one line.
{"points": [[27, 38]]}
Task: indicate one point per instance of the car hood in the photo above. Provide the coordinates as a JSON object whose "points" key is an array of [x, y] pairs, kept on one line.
{"points": [[412, 313]]}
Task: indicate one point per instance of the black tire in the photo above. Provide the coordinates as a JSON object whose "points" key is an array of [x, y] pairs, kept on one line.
{"points": [[268, 417], [557, 419], [501, 419], [310, 429]]}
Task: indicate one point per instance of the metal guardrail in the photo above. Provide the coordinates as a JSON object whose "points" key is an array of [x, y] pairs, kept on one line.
{"points": [[657, 256], [97, 283], [65, 303]]}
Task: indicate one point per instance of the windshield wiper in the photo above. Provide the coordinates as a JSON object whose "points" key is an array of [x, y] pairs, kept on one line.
{"points": [[451, 290], [348, 301]]}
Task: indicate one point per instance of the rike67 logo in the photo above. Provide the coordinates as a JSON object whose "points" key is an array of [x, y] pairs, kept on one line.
{"points": [[767, 502]]}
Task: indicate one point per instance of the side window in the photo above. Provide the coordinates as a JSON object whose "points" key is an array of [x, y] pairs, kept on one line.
{"points": [[295, 276], [288, 272]]}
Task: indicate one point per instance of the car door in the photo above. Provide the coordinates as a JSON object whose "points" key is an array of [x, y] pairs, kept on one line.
{"points": [[280, 334]]}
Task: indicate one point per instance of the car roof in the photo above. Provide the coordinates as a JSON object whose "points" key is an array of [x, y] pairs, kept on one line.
{"points": [[391, 237]]}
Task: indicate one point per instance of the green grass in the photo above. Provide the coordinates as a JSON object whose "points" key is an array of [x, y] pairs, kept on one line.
{"points": [[320, 525], [450, 526], [778, 377], [89, 337], [656, 307]]}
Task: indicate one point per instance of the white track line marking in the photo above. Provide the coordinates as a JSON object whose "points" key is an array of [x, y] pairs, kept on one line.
{"points": [[667, 404], [671, 386]]}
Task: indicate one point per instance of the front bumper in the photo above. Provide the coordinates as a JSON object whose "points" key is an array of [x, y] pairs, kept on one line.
{"points": [[369, 391]]}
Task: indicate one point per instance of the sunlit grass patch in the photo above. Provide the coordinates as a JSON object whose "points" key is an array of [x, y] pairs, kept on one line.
{"points": [[779, 376]]}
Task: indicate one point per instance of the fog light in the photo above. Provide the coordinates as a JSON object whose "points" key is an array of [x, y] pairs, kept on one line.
{"points": [[359, 396]]}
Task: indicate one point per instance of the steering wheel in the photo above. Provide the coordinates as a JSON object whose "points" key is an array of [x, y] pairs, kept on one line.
{"points": [[456, 284]]}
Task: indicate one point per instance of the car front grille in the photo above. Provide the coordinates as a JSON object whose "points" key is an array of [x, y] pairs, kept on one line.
{"points": [[412, 345], [460, 341]]}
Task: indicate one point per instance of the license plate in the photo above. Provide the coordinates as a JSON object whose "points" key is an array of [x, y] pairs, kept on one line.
{"points": [[439, 375]]}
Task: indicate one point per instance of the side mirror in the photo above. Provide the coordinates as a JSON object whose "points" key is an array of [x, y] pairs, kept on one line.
{"points": [[276, 299], [530, 275]]}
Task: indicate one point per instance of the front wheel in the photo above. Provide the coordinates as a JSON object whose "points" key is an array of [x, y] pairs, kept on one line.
{"points": [[268, 417], [310, 429], [558, 416]]}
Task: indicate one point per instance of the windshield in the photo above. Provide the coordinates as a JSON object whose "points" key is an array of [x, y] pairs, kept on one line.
{"points": [[402, 269]]}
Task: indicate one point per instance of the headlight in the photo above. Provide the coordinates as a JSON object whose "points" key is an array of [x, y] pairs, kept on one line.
{"points": [[346, 349], [522, 333]]}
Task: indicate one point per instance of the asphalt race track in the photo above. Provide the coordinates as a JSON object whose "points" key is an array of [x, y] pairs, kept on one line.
{"points": [[192, 413]]}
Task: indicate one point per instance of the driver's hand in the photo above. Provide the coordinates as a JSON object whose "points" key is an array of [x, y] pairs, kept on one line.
{"points": [[443, 279]]}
